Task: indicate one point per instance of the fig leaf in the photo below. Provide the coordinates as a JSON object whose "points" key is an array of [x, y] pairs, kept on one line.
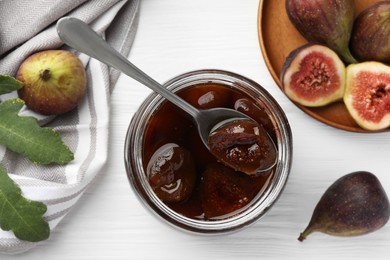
{"points": [[23, 135], [9, 84], [22, 216]]}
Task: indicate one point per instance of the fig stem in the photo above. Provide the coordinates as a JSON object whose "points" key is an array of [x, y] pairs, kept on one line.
{"points": [[45, 74], [305, 233], [347, 56], [301, 237]]}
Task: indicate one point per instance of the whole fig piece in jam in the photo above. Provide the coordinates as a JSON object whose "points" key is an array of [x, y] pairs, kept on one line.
{"points": [[247, 107], [327, 22], [224, 191], [370, 39], [367, 94], [313, 75], [171, 173], [355, 204], [244, 146]]}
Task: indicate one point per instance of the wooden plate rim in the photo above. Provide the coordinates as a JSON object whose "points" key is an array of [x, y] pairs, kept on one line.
{"points": [[277, 80]]}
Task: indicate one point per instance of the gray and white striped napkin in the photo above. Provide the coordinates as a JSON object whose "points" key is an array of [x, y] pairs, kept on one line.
{"points": [[27, 27]]}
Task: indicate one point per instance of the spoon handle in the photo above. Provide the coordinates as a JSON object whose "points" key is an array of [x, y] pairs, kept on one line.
{"points": [[81, 37]]}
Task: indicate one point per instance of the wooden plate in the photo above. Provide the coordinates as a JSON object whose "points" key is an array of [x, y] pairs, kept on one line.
{"points": [[278, 37]]}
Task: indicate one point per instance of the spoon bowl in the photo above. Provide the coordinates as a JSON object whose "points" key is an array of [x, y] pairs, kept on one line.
{"points": [[263, 167], [81, 37]]}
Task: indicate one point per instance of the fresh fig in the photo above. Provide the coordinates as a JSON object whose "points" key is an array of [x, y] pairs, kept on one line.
{"points": [[313, 75], [171, 173], [327, 22], [54, 81], [370, 39], [367, 94], [353, 205]]}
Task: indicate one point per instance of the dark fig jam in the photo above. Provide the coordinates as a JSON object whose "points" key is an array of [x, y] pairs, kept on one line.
{"points": [[171, 173], [243, 145], [188, 178]]}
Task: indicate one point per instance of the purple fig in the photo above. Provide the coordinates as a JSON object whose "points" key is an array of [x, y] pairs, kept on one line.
{"points": [[327, 22], [370, 39], [355, 204], [313, 75]]}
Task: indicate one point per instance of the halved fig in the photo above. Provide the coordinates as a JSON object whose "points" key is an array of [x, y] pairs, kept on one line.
{"points": [[367, 94], [313, 75]]}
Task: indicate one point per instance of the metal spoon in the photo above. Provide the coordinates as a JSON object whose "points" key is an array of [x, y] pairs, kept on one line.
{"points": [[81, 37]]}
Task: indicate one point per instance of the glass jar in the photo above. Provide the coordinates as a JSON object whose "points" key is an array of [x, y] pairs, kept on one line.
{"points": [[265, 198]]}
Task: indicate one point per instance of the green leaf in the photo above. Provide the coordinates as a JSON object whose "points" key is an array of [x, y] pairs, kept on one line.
{"points": [[23, 135], [22, 216], [8, 84]]}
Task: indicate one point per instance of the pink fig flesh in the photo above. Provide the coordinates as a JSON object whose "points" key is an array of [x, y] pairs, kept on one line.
{"points": [[313, 75], [367, 94]]}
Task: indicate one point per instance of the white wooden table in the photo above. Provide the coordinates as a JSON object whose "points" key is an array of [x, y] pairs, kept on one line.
{"points": [[176, 36]]}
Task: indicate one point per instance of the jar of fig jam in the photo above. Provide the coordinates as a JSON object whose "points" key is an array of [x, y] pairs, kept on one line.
{"points": [[176, 177]]}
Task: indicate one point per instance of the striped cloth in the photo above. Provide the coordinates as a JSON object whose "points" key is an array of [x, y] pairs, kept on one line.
{"points": [[85, 129]]}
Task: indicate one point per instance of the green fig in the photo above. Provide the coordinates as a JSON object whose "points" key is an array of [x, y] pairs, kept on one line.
{"points": [[353, 205], [54, 81], [327, 22]]}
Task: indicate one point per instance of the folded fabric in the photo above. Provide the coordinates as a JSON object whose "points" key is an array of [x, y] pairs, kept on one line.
{"points": [[85, 129]]}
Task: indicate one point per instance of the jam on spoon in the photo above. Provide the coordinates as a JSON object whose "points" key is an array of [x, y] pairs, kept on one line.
{"points": [[243, 145]]}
